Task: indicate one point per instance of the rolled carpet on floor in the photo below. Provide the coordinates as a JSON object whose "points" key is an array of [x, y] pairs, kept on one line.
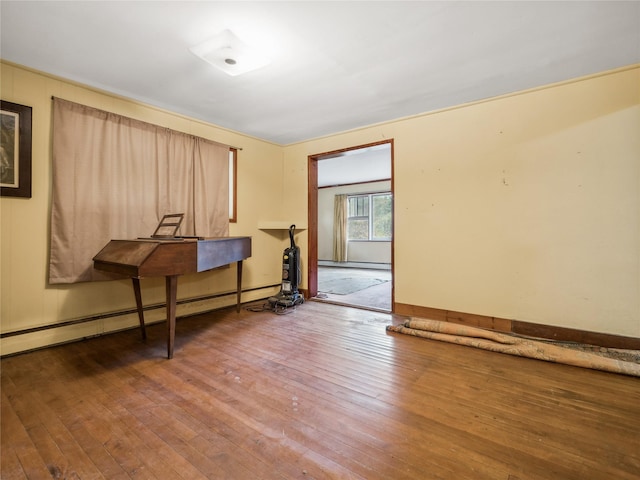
{"points": [[512, 345]]}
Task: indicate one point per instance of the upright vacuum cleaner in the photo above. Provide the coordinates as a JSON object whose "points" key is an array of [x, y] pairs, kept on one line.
{"points": [[289, 295]]}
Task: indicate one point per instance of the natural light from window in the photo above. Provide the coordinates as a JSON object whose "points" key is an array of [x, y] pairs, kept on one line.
{"points": [[369, 217]]}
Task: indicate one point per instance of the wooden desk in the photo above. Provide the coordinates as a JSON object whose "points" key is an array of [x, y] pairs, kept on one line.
{"points": [[171, 258]]}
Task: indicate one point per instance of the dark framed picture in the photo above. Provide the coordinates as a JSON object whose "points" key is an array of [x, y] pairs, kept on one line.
{"points": [[15, 150]]}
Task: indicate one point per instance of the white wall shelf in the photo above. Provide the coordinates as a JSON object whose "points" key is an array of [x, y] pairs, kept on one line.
{"points": [[279, 225]]}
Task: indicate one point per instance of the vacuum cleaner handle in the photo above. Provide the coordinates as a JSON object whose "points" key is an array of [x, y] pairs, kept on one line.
{"points": [[292, 229]]}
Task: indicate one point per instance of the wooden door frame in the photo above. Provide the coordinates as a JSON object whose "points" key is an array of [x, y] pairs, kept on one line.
{"points": [[312, 220]]}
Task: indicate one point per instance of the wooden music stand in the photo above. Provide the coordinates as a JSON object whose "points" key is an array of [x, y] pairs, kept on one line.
{"points": [[168, 226]]}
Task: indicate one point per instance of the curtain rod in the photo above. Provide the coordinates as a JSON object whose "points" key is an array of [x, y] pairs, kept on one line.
{"points": [[53, 97]]}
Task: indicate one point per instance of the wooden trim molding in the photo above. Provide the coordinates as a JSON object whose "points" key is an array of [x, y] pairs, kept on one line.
{"points": [[518, 327]]}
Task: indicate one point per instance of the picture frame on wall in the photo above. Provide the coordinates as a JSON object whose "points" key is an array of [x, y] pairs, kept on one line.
{"points": [[15, 150]]}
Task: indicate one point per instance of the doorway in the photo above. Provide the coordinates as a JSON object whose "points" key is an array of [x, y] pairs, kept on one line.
{"points": [[359, 181]]}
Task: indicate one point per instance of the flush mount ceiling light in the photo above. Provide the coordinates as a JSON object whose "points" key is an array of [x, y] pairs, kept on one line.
{"points": [[228, 53]]}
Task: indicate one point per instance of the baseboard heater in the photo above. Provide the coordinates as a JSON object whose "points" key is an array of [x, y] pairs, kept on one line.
{"points": [[132, 311]]}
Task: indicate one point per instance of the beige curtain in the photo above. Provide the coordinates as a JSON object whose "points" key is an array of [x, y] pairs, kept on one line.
{"points": [[340, 228], [115, 177]]}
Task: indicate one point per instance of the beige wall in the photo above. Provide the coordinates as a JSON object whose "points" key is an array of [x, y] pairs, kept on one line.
{"points": [[524, 207], [27, 301]]}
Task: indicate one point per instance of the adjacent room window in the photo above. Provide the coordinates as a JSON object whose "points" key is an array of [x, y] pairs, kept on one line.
{"points": [[369, 217]]}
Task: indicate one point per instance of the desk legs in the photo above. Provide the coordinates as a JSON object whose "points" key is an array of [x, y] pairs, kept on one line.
{"points": [[172, 290], [138, 294], [239, 287]]}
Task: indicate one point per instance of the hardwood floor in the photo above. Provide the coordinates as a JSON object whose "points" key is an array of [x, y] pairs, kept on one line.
{"points": [[321, 392]]}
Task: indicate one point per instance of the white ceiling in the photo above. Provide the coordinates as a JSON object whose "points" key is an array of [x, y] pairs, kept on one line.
{"points": [[336, 65], [359, 165]]}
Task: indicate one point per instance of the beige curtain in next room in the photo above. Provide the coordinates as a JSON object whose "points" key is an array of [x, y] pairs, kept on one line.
{"points": [[340, 228], [115, 177]]}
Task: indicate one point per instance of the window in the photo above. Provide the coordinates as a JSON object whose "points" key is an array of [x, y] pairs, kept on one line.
{"points": [[233, 183], [369, 217]]}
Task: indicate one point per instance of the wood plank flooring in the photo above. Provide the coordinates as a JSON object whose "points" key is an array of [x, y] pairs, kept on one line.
{"points": [[322, 392]]}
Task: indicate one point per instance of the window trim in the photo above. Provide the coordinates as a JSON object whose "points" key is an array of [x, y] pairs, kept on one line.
{"points": [[369, 217]]}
